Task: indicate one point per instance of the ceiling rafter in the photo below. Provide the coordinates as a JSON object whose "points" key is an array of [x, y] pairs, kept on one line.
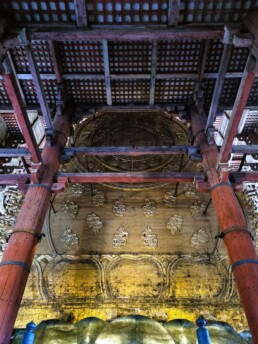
{"points": [[173, 12], [81, 13], [107, 71], [154, 57]]}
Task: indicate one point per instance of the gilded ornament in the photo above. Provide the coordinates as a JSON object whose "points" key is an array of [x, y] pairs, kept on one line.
{"points": [[119, 207], [199, 238], [175, 223], [149, 208], [94, 223], [197, 208], [149, 238], [98, 198], [70, 208], [169, 199], [69, 238], [120, 237], [78, 189]]}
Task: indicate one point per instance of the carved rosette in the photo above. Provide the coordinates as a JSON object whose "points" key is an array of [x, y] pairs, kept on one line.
{"points": [[98, 198], [70, 208], [197, 208], [169, 199], [149, 238], [175, 223], [190, 190], [120, 237], [200, 238], [94, 223], [69, 238], [77, 189], [10, 203], [149, 208], [119, 207]]}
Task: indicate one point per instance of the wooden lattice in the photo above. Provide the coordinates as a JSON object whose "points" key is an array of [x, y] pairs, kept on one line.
{"points": [[129, 57], [4, 99], [214, 57], [124, 91], [174, 90], [178, 56], [229, 91], [127, 12], [86, 91], [81, 57], [214, 11]]}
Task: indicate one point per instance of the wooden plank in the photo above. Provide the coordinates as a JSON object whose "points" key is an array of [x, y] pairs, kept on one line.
{"points": [[227, 50], [53, 48], [237, 111], [124, 34], [203, 58], [130, 177], [140, 76], [12, 179], [22, 116], [173, 12], [9, 57], [154, 57], [38, 86], [81, 13], [107, 71], [96, 151]]}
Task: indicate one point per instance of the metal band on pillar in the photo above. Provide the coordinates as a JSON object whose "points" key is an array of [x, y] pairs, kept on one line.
{"points": [[242, 262], [27, 231], [12, 262], [41, 186], [220, 184], [233, 229]]}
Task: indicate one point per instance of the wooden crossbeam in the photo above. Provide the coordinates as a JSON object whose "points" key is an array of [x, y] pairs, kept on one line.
{"points": [[38, 86], [107, 71], [81, 13], [53, 48], [130, 177], [123, 34], [20, 111], [154, 57], [237, 111], [173, 12], [227, 50]]}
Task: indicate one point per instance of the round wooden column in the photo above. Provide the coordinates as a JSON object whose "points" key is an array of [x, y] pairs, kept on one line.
{"points": [[241, 251], [19, 253]]}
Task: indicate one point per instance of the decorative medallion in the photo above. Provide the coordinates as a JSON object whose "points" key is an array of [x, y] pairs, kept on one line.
{"points": [[119, 207], [190, 190], [70, 208], [199, 238], [175, 223], [69, 238], [77, 189], [133, 130], [149, 238], [98, 198], [94, 223], [149, 208], [197, 208], [169, 199], [120, 237]]}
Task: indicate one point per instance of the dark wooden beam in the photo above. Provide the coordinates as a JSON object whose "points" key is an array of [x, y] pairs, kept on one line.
{"points": [[38, 86], [203, 58], [81, 13], [107, 71], [128, 76], [130, 177], [10, 61], [95, 151], [21, 115], [154, 57], [54, 52], [173, 12], [124, 34], [10, 179], [224, 63], [238, 109]]}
